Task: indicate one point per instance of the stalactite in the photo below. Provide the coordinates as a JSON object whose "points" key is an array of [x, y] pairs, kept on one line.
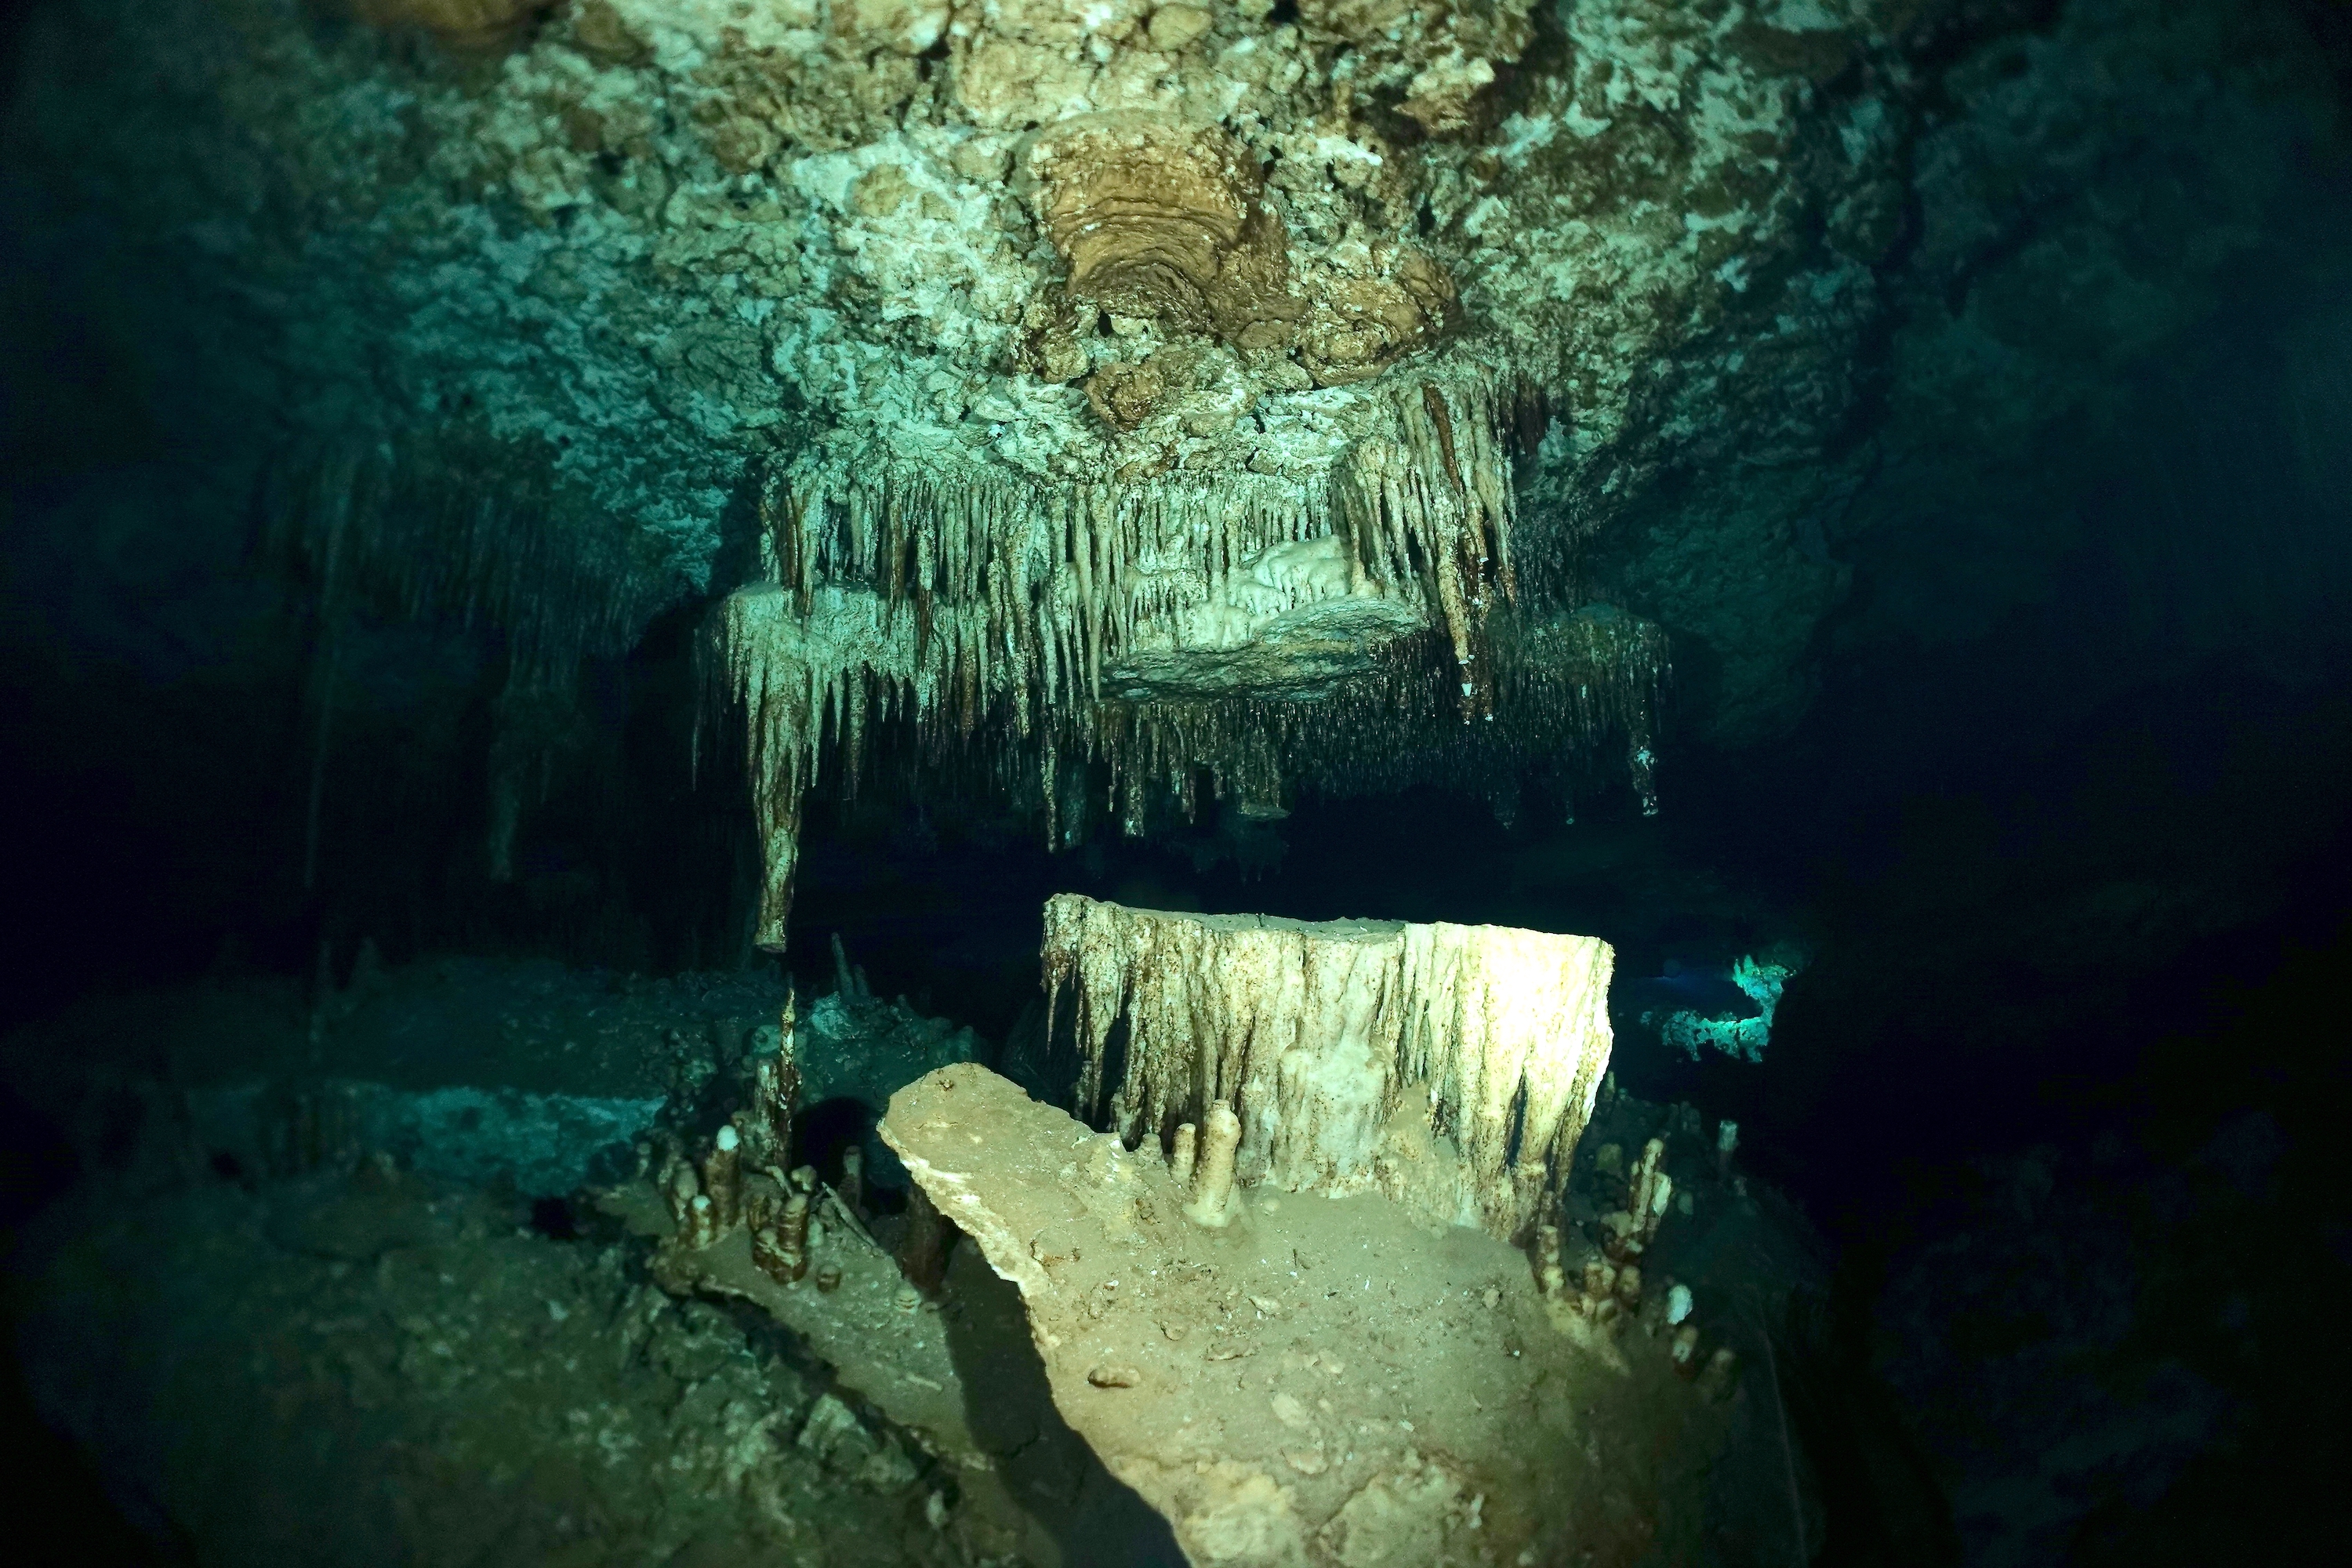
{"points": [[458, 528], [535, 722], [315, 804], [330, 493], [1059, 582]]}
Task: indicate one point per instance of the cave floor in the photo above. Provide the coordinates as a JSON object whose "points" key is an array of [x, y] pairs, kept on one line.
{"points": [[369, 1368], [334, 1354]]}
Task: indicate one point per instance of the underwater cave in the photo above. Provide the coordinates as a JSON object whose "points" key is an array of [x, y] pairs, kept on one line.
{"points": [[1361, 783]]}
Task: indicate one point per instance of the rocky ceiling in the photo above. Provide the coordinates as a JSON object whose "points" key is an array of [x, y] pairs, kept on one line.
{"points": [[1266, 387]]}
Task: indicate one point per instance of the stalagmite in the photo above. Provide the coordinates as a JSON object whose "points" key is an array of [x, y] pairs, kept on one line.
{"points": [[1452, 1067], [776, 1092], [852, 1191], [768, 1254], [1721, 1377], [793, 1235], [1551, 1277], [1651, 1191], [1181, 1153], [1628, 1286], [682, 1191], [722, 1171], [845, 985], [923, 1244], [1598, 1300], [1213, 1178]]}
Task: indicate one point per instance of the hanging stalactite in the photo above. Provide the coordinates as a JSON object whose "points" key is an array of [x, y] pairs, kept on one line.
{"points": [[1356, 632]]}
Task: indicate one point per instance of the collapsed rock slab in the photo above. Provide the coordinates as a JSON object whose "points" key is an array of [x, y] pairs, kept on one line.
{"points": [[1325, 1380]]}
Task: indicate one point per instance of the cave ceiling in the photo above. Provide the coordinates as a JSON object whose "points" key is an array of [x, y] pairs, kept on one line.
{"points": [[1178, 383]]}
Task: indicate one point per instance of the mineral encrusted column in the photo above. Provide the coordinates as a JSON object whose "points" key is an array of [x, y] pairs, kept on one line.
{"points": [[1318, 1036]]}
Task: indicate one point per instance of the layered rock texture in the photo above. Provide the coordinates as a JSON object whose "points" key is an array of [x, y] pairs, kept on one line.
{"points": [[1116, 401]]}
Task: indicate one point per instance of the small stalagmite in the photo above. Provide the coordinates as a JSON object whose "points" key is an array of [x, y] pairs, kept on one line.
{"points": [[1626, 1233], [781, 1250], [1181, 1153], [1551, 1277], [1600, 1301], [722, 1176], [681, 1190], [768, 1255], [923, 1244], [1212, 1177], [1719, 1379], [701, 1222], [792, 1225], [1628, 1286]]}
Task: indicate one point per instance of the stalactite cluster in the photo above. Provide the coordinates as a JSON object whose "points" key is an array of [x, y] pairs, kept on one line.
{"points": [[817, 688], [451, 531], [1057, 577], [1036, 624]]}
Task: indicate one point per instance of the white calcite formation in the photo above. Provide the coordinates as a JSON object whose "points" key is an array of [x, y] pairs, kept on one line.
{"points": [[1173, 624], [1450, 1067]]}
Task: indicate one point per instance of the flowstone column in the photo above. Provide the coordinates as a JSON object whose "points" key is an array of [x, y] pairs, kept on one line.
{"points": [[1450, 1067]]}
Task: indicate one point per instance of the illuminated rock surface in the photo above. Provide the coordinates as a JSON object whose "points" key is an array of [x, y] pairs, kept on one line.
{"points": [[1327, 1380], [1450, 1067]]}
